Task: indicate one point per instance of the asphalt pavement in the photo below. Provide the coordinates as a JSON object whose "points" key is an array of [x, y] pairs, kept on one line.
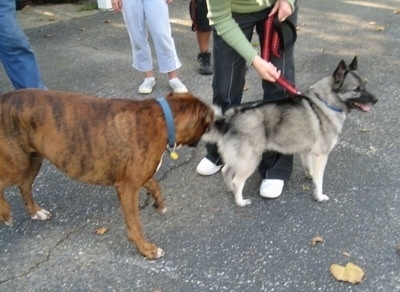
{"points": [[210, 244]]}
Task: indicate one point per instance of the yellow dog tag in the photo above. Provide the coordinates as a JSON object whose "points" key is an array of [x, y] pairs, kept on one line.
{"points": [[173, 155]]}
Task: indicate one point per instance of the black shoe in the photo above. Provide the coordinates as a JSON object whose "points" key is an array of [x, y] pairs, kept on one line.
{"points": [[204, 60]]}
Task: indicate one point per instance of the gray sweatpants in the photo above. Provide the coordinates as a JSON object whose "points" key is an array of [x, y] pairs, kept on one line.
{"points": [[150, 16]]}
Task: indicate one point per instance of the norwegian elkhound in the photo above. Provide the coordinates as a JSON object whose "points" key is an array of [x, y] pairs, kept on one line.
{"points": [[308, 125]]}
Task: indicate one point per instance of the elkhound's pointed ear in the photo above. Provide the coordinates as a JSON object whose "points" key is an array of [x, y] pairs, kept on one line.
{"points": [[338, 75], [353, 65]]}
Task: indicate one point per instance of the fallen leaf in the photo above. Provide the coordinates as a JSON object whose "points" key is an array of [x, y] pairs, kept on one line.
{"points": [[52, 18], [101, 231], [346, 254], [372, 149], [81, 28], [305, 188], [364, 130], [107, 21], [48, 35], [317, 239], [350, 273], [376, 26], [397, 11]]}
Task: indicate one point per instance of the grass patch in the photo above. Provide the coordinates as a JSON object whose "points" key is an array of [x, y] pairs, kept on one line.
{"points": [[89, 7]]}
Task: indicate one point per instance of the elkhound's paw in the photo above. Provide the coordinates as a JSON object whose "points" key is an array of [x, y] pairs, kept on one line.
{"points": [[42, 214], [322, 198], [308, 175], [243, 203]]}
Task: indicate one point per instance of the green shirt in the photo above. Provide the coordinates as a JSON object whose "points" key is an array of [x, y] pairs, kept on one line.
{"points": [[220, 16]]}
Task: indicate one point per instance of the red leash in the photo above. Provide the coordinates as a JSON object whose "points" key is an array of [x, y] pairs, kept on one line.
{"points": [[273, 37]]}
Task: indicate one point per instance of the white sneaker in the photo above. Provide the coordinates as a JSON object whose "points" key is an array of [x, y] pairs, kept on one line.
{"points": [[177, 86], [271, 188], [206, 167], [147, 86]]}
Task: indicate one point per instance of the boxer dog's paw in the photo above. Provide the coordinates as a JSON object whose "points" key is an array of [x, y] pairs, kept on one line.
{"points": [[42, 214], [154, 253]]}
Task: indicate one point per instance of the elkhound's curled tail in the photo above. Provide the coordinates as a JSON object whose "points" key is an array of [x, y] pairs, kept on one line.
{"points": [[219, 127]]}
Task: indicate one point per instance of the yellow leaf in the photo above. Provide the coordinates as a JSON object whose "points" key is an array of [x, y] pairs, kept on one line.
{"points": [[372, 149], [397, 11], [350, 273], [346, 254], [101, 231], [317, 239]]}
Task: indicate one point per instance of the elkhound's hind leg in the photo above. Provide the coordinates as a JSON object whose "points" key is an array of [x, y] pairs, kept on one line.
{"points": [[228, 174], [237, 176], [307, 162]]}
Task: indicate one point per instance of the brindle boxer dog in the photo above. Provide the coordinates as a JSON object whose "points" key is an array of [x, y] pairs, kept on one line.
{"points": [[99, 141]]}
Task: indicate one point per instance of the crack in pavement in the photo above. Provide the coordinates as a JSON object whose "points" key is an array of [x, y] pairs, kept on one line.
{"points": [[46, 259]]}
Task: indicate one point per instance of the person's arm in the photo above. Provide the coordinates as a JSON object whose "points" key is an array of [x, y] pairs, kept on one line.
{"points": [[220, 16]]}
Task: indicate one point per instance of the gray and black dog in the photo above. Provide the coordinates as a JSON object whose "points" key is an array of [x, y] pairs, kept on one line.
{"points": [[309, 126]]}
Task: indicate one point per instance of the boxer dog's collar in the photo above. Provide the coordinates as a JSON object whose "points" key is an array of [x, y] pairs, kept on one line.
{"points": [[170, 126]]}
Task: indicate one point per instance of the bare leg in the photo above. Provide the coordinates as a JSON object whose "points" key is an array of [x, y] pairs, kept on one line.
{"points": [[203, 40], [172, 74], [148, 74]]}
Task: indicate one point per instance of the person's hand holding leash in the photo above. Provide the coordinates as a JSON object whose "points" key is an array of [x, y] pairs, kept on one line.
{"points": [[266, 70], [283, 8]]}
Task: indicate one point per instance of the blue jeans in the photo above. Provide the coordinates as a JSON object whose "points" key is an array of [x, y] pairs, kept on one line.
{"points": [[16, 54], [229, 80]]}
